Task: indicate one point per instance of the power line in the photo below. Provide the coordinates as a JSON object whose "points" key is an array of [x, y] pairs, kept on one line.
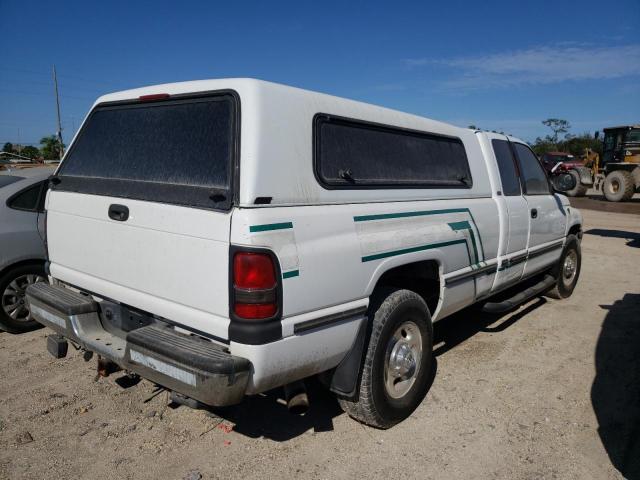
{"points": [[40, 94], [64, 75]]}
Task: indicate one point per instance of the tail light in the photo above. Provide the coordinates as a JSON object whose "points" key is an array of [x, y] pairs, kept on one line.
{"points": [[255, 286]]}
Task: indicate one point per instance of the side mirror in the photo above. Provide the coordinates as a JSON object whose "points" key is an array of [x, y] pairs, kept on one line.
{"points": [[563, 182]]}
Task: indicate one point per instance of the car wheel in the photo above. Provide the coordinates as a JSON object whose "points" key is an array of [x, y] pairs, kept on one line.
{"points": [[567, 270], [398, 361], [15, 316]]}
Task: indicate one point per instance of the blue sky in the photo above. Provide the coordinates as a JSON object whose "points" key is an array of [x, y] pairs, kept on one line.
{"points": [[498, 65]]}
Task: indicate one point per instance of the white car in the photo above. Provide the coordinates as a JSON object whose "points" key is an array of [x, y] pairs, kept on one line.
{"points": [[22, 250], [225, 237]]}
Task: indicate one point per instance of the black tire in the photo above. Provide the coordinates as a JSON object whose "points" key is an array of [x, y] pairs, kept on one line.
{"points": [[22, 323], [579, 190], [566, 284], [390, 311], [618, 186]]}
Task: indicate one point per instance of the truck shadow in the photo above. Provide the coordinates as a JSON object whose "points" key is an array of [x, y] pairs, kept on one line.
{"points": [[266, 415], [633, 238], [459, 327], [615, 393]]}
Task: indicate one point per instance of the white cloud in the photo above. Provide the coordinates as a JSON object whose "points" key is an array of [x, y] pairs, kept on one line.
{"points": [[539, 65]]}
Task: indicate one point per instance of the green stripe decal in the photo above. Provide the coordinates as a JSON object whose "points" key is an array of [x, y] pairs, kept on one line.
{"points": [[422, 213], [270, 226], [479, 236], [420, 248], [292, 273], [385, 216], [460, 225], [466, 226]]}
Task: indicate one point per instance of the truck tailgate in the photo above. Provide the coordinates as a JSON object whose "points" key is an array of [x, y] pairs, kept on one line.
{"points": [[169, 260]]}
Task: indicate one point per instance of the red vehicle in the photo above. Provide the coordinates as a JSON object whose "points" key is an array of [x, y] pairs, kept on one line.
{"points": [[562, 162]]}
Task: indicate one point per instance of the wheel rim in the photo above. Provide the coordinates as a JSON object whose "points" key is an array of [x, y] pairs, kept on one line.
{"points": [[13, 298], [569, 267], [615, 186], [402, 359]]}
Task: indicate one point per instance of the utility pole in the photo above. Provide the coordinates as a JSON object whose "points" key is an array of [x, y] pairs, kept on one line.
{"points": [[55, 83]]}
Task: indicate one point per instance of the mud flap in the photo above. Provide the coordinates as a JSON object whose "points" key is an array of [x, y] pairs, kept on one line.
{"points": [[345, 378]]}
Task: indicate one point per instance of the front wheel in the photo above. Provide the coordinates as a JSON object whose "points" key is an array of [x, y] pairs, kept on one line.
{"points": [[568, 269], [398, 362], [15, 316]]}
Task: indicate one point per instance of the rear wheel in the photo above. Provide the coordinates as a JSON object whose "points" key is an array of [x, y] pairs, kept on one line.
{"points": [[568, 269], [15, 316], [398, 361], [579, 190], [618, 186]]}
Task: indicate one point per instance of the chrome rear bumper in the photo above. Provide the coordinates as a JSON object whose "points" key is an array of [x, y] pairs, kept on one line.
{"points": [[187, 364]]}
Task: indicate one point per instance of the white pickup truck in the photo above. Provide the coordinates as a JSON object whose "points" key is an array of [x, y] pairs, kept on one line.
{"points": [[225, 237]]}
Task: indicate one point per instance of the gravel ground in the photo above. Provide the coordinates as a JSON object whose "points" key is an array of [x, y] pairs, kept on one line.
{"points": [[549, 391]]}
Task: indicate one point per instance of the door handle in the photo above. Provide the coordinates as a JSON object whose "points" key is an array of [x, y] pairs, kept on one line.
{"points": [[119, 213], [534, 213]]}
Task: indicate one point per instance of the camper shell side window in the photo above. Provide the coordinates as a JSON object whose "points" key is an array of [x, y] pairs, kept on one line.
{"points": [[353, 154]]}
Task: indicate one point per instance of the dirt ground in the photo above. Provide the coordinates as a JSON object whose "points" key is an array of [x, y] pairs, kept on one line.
{"points": [[549, 391]]}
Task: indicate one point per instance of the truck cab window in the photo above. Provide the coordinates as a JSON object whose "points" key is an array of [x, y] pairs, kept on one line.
{"points": [[507, 167], [535, 180]]}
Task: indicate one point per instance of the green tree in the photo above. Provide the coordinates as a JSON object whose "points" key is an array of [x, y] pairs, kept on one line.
{"points": [[577, 144], [51, 148], [543, 145], [8, 147], [557, 126], [31, 152]]}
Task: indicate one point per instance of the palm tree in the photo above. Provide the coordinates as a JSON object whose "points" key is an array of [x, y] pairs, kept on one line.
{"points": [[51, 148]]}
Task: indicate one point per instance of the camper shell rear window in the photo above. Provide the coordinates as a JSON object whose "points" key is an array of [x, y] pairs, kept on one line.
{"points": [[351, 154], [181, 151]]}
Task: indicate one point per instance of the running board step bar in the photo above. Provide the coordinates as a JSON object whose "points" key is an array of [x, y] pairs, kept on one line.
{"points": [[519, 298]]}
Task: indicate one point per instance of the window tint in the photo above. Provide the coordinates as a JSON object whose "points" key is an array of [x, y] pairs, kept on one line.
{"points": [[535, 180], [27, 199], [507, 167], [8, 180], [350, 154], [155, 151]]}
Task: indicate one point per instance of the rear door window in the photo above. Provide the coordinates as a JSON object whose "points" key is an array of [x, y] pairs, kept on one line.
{"points": [[177, 151], [30, 199], [533, 175], [507, 168]]}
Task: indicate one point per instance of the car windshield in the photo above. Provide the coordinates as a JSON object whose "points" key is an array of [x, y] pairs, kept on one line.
{"points": [[8, 180]]}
